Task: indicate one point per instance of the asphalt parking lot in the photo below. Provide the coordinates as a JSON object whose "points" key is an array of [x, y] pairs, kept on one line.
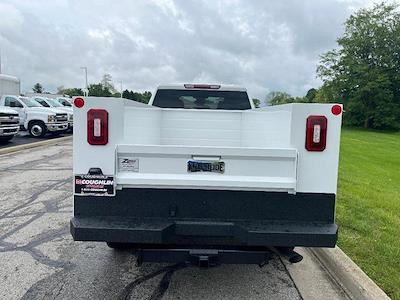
{"points": [[39, 259], [23, 138]]}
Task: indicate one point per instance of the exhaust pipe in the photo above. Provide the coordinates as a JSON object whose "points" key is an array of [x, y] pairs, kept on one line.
{"points": [[291, 255]]}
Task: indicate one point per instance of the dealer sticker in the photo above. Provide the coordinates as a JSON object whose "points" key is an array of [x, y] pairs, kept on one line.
{"points": [[127, 164], [94, 185]]}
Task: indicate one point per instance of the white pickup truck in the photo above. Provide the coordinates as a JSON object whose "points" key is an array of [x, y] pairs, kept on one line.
{"points": [[48, 102], [9, 123], [199, 175], [33, 117]]}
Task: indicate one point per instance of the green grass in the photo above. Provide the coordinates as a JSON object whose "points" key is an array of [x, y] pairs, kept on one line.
{"points": [[368, 206]]}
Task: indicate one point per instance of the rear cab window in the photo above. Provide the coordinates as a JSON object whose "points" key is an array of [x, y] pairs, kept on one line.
{"points": [[201, 99]]}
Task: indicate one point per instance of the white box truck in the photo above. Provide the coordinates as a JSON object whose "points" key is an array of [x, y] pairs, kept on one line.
{"points": [[201, 176], [9, 85]]}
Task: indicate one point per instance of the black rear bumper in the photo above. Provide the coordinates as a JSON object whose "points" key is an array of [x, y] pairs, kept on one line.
{"points": [[206, 218]]}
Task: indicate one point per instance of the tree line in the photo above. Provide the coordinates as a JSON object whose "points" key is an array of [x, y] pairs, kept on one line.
{"points": [[363, 72], [104, 88]]}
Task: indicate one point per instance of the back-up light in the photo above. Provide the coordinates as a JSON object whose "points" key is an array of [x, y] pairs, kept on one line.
{"points": [[316, 130], [97, 127], [202, 86]]}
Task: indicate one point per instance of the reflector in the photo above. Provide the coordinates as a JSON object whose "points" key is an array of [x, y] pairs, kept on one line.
{"points": [[336, 109], [79, 102], [316, 131], [97, 127]]}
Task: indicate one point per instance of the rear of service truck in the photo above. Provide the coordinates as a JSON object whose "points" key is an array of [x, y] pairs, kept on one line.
{"points": [[186, 180]]}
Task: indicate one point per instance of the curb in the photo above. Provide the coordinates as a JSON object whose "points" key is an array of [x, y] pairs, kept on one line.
{"points": [[34, 145], [348, 275]]}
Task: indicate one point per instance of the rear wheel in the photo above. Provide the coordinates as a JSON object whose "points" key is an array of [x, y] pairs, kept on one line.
{"points": [[37, 129], [120, 246]]}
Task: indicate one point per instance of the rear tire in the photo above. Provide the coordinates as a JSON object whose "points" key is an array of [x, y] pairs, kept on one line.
{"points": [[120, 246], [37, 129]]}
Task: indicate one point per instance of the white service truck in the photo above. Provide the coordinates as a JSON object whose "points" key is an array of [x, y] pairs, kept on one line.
{"points": [[48, 102], [201, 176], [9, 120], [65, 101], [9, 124], [38, 120]]}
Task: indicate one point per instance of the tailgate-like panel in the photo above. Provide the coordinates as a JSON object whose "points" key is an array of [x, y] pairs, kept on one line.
{"points": [[161, 166]]}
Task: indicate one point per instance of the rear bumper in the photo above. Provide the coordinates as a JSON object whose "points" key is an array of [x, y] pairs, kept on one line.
{"points": [[204, 233], [206, 218]]}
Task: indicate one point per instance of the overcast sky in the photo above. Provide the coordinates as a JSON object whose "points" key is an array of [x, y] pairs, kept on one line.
{"points": [[264, 45]]}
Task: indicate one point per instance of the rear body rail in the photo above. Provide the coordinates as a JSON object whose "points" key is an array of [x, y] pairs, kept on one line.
{"points": [[202, 218]]}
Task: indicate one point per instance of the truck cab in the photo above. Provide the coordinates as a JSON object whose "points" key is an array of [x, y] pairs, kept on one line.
{"points": [[9, 123], [67, 102], [48, 102], [200, 175], [33, 117]]}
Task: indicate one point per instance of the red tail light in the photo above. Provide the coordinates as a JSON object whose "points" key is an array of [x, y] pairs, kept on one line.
{"points": [[97, 127], [316, 130]]}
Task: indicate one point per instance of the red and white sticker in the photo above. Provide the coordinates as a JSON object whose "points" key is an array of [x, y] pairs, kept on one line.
{"points": [[94, 185]]}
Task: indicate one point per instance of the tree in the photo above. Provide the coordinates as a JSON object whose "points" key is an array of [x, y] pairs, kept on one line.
{"points": [[310, 96], [276, 98], [37, 88], [146, 96], [72, 92], [364, 72], [256, 102], [125, 94], [106, 81], [98, 90], [139, 97]]}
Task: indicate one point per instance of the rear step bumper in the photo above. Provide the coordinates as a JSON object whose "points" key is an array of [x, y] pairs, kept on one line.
{"points": [[189, 217], [112, 229]]}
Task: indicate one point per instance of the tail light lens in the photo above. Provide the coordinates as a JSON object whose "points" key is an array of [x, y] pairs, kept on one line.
{"points": [[316, 131], [97, 127]]}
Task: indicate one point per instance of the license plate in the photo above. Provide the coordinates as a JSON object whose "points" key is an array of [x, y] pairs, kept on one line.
{"points": [[205, 166]]}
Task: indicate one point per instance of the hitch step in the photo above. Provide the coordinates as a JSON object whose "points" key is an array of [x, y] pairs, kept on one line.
{"points": [[204, 257]]}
